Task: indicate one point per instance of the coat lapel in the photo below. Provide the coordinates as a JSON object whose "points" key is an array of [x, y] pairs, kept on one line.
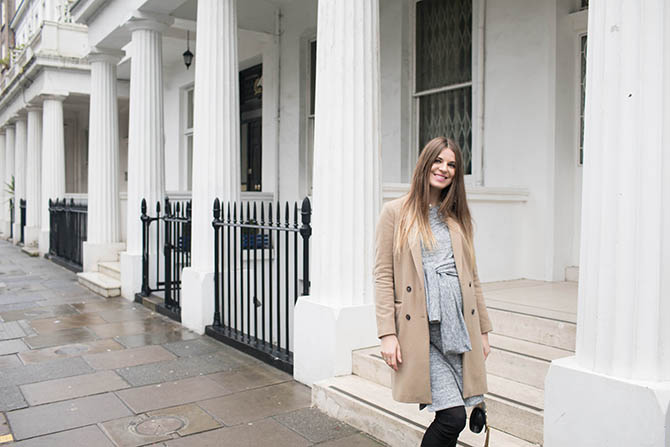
{"points": [[415, 249]]}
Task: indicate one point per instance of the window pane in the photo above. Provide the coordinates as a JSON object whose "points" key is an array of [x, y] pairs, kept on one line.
{"points": [[582, 100], [312, 76], [189, 109], [448, 114], [443, 43]]}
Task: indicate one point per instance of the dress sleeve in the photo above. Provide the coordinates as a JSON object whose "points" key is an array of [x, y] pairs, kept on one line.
{"points": [[383, 272]]}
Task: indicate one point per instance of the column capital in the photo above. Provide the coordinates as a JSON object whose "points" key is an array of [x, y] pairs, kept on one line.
{"points": [[54, 97], [34, 108], [109, 55], [152, 22]]}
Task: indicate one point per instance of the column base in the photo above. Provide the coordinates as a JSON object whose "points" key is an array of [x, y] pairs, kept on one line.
{"points": [[131, 274], [197, 299], [5, 229], [94, 253], [32, 236], [588, 409], [17, 233], [340, 330]]}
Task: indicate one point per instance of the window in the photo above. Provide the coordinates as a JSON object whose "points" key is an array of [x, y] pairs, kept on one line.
{"points": [[311, 92], [188, 138], [582, 100], [585, 4], [443, 73], [251, 144]]}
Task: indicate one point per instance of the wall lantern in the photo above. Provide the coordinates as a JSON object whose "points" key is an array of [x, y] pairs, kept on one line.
{"points": [[188, 56]]}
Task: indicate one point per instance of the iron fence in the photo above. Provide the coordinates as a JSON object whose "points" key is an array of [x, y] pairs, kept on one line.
{"points": [[11, 219], [171, 238], [22, 221], [257, 260], [68, 231]]}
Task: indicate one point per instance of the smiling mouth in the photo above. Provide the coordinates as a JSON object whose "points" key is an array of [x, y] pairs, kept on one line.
{"points": [[440, 177]]}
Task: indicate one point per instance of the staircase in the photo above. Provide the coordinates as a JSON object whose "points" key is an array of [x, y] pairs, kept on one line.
{"points": [[106, 281], [525, 341]]}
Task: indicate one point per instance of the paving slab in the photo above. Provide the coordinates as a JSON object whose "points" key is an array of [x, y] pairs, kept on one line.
{"points": [[129, 357], [135, 312], [109, 330], [180, 368], [68, 351], [62, 337], [48, 325], [197, 420], [90, 436], [136, 431], [11, 330], [9, 361], [190, 348], [44, 371], [35, 313], [262, 433], [156, 338], [170, 394], [359, 440], [249, 377], [11, 398], [315, 425], [4, 426], [12, 346], [248, 406], [51, 418], [72, 387], [101, 305]]}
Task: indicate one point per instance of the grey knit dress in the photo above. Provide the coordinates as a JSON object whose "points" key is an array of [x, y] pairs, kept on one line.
{"points": [[449, 337]]}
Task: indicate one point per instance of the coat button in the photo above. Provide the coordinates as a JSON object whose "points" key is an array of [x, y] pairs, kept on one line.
{"points": [[407, 316], [409, 288], [470, 285], [473, 311]]}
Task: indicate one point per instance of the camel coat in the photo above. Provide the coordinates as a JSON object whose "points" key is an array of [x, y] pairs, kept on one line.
{"points": [[401, 309]]}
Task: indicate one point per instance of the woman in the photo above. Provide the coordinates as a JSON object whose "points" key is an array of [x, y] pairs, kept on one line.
{"points": [[431, 316]]}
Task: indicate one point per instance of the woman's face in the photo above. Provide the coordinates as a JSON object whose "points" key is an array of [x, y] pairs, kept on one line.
{"points": [[443, 169]]}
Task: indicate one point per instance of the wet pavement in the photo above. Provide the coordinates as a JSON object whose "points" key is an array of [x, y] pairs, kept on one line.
{"points": [[79, 370]]}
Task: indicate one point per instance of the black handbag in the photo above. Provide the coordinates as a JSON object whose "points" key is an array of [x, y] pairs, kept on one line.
{"points": [[478, 421]]}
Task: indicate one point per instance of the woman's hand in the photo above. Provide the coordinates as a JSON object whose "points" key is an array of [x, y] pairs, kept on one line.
{"points": [[391, 351], [485, 345]]}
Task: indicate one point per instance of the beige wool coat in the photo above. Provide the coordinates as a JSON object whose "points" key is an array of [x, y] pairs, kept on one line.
{"points": [[401, 309]]}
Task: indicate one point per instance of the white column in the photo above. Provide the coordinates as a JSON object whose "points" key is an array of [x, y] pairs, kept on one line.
{"points": [[215, 149], [19, 173], [146, 171], [4, 197], [347, 184], [616, 390], [53, 163], [33, 176], [9, 171], [104, 236]]}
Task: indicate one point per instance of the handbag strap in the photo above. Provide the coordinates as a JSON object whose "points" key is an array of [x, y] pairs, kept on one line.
{"points": [[488, 434]]}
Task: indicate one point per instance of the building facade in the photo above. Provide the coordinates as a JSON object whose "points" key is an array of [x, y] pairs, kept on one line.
{"points": [[286, 99]]}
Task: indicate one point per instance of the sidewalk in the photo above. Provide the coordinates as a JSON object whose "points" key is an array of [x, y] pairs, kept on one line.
{"points": [[78, 370]]}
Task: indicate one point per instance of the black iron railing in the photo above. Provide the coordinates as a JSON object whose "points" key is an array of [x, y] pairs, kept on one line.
{"points": [[11, 219], [68, 231], [171, 239], [258, 258], [22, 209]]}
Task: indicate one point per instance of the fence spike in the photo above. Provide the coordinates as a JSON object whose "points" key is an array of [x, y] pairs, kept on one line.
{"points": [[270, 214], [286, 214], [167, 206], [158, 206], [217, 208], [306, 211], [235, 212], [228, 217], [262, 213], [188, 209], [143, 206], [295, 214]]}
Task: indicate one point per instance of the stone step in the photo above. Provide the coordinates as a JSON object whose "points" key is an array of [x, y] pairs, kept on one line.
{"points": [[369, 407], [99, 283], [513, 407], [533, 328], [30, 250], [111, 269]]}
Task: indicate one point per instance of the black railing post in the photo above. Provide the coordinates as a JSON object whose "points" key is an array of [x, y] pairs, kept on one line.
{"points": [[306, 232], [167, 255], [217, 310], [145, 249]]}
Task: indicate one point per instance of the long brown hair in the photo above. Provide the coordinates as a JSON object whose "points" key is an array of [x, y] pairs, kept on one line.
{"points": [[453, 202]]}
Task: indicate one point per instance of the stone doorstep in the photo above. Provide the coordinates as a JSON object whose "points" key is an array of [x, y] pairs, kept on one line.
{"points": [[111, 269], [99, 283], [533, 328], [30, 250], [513, 407], [369, 407]]}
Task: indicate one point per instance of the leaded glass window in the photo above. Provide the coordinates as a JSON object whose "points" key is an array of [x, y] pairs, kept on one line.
{"points": [[444, 72], [582, 99]]}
